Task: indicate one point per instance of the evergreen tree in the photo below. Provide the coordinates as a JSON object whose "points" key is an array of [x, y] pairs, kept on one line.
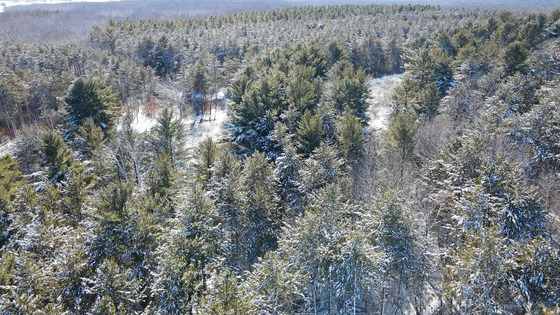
{"points": [[301, 90], [351, 139], [515, 57], [200, 86], [9, 183], [347, 89], [322, 168], [310, 132], [402, 133], [286, 174], [91, 98], [56, 157], [259, 209], [90, 137], [206, 156], [13, 96], [166, 147]]}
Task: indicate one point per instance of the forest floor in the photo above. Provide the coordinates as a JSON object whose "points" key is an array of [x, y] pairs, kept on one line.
{"points": [[380, 97]]}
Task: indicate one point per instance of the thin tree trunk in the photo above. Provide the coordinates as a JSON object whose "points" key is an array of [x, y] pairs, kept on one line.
{"points": [[354, 306], [383, 296], [314, 299]]}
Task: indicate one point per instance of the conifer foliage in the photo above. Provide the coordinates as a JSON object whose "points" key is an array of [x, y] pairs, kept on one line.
{"points": [[114, 204]]}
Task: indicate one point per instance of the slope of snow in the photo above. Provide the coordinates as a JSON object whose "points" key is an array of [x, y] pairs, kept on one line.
{"points": [[380, 94]]}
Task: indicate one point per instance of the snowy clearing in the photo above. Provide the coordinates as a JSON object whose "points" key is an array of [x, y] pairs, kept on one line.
{"points": [[6, 4], [197, 128], [211, 126], [380, 94]]}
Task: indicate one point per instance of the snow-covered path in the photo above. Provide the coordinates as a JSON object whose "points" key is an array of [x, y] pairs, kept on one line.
{"points": [[380, 94]]}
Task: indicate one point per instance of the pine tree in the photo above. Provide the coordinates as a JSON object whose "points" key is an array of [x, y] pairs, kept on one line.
{"points": [[322, 168], [10, 182], [90, 137], [91, 98], [301, 90], [259, 208], [339, 266], [13, 94], [56, 157], [402, 133], [351, 139], [515, 57], [200, 86], [166, 148], [347, 89], [274, 285], [310, 132], [206, 156]]}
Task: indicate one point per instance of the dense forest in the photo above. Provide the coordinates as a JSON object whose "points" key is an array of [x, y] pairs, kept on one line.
{"points": [[301, 206]]}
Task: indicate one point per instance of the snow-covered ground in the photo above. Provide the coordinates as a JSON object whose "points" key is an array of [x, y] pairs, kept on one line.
{"points": [[7, 148], [197, 128], [5, 4], [213, 127], [380, 94]]}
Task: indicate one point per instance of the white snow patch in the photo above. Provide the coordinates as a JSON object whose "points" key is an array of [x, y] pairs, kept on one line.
{"points": [[380, 97], [201, 127], [8, 148], [197, 128], [143, 123]]}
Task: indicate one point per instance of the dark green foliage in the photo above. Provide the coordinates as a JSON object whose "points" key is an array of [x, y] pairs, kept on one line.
{"points": [[160, 56], [12, 100], [253, 118], [515, 57], [310, 132], [206, 155], [402, 133], [91, 99], [10, 182], [347, 89], [200, 86], [166, 137], [531, 34], [351, 139], [258, 208], [300, 91], [90, 137], [56, 157], [428, 101], [312, 57], [165, 144]]}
